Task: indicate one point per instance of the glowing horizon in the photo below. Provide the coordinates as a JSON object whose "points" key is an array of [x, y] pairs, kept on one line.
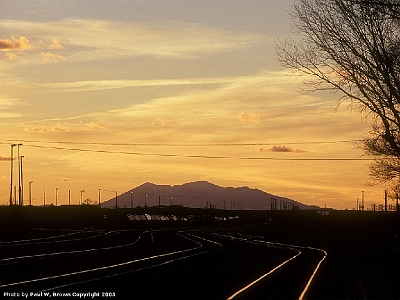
{"points": [[111, 96]]}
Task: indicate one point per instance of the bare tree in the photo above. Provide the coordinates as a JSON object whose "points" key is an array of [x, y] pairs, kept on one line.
{"points": [[390, 7], [352, 47]]}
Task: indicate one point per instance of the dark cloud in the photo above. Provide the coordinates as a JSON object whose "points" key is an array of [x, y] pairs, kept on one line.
{"points": [[5, 158], [282, 149]]}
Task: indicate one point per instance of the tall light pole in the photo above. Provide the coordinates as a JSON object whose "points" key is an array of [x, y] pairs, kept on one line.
{"points": [[99, 198], [22, 185], [19, 175], [116, 200], [44, 197], [131, 200], [11, 176], [81, 197], [362, 201], [56, 196], [30, 192]]}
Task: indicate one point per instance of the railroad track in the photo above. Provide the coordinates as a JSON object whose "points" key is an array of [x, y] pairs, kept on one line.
{"points": [[212, 264]]}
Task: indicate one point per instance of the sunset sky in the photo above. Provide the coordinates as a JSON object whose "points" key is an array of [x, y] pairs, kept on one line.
{"points": [[112, 94]]}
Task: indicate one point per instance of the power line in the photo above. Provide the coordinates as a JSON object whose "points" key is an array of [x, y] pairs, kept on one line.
{"points": [[198, 156]]}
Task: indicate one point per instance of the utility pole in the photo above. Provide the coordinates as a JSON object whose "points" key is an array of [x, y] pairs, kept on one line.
{"points": [[81, 197], [385, 200], [99, 198], [159, 201], [21, 203], [145, 200], [116, 200], [30, 192], [11, 176], [56, 196], [362, 201], [19, 174], [69, 197], [131, 199], [44, 197]]}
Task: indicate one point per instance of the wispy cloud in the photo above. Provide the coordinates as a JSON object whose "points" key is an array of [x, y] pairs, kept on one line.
{"points": [[74, 127], [51, 57], [11, 55], [249, 118], [89, 39], [92, 126], [56, 128], [55, 44], [7, 104], [97, 85]]}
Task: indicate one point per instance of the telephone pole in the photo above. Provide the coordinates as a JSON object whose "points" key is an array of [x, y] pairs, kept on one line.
{"points": [[81, 197], [362, 201], [131, 200], [21, 201], [11, 176], [30, 192], [385, 200], [19, 175]]}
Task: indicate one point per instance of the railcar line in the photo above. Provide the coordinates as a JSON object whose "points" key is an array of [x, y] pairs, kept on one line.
{"points": [[114, 268], [251, 239], [180, 233], [203, 243], [45, 255], [41, 240]]}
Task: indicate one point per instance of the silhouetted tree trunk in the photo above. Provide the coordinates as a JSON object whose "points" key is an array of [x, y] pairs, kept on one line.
{"points": [[352, 47]]}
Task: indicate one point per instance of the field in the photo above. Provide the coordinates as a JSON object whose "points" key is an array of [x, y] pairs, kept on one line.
{"points": [[182, 253]]}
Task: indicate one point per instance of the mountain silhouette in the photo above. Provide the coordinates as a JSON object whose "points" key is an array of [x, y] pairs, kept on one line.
{"points": [[201, 194]]}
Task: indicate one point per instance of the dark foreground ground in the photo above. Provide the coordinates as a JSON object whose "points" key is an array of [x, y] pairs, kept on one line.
{"points": [[363, 249]]}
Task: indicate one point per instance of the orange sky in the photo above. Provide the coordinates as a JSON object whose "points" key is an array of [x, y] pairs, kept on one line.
{"points": [[109, 96]]}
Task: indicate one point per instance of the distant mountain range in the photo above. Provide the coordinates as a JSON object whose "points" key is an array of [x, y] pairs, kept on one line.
{"points": [[202, 194]]}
